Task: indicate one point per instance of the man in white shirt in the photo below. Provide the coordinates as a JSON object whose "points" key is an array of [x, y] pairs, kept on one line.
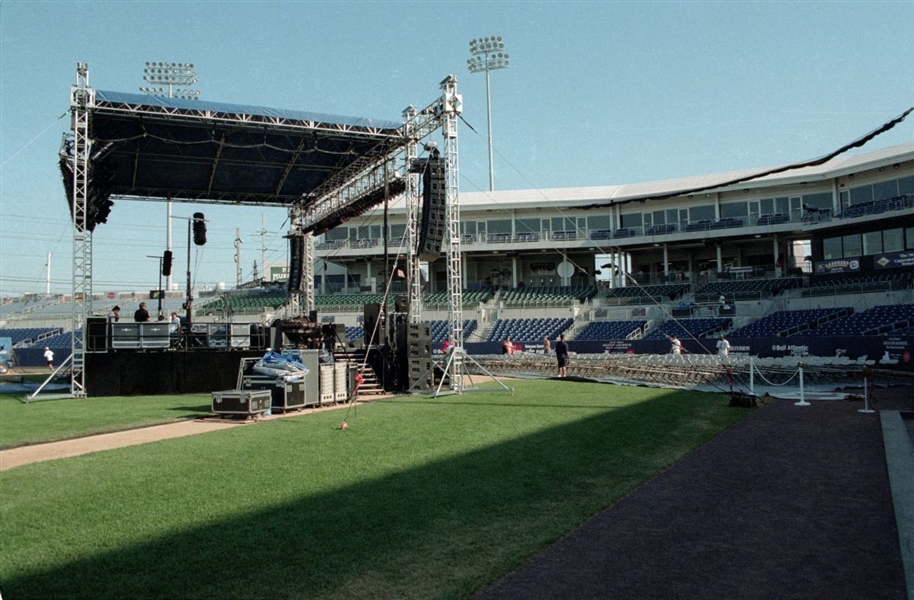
{"points": [[723, 348], [49, 356]]}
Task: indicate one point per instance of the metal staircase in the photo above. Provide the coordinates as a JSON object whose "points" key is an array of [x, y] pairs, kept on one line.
{"points": [[371, 385]]}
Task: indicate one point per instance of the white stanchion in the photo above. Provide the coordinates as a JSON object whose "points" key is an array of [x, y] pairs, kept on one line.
{"points": [[751, 375], [802, 401], [866, 399]]}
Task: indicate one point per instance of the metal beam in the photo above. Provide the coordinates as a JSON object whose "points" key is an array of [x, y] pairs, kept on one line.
{"points": [[81, 102]]}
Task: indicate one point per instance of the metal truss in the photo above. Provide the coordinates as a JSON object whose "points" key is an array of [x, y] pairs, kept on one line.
{"points": [[369, 180], [413, 204], [450, 109], [347, 187], [82, 99], [307, 279], [274, 122]]}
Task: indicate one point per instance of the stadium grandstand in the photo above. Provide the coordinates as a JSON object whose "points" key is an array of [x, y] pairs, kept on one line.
{"points": [[817, 255]]}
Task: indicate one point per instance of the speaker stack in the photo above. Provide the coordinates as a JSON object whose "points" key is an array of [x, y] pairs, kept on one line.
{"points": [[419, 356], [434, 197], [372, 313]]}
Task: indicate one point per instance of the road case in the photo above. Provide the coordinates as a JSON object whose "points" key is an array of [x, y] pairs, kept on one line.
{"points": [[242, 402]]}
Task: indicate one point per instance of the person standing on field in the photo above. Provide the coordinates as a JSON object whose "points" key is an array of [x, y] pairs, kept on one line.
{"points": [[561, 356]]}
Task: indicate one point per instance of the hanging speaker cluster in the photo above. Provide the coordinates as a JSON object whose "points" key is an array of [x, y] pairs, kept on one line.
{"points": [[296, 263], [434, 198]]}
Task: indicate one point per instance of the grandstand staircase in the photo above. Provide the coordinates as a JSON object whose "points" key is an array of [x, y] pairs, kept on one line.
{"points": [[371, 385]]}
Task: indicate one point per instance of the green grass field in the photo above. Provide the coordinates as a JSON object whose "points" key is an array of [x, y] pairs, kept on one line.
{"points": [[419, 498], [48, 420]]}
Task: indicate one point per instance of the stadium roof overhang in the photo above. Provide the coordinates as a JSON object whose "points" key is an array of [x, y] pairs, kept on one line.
{"points": [[153, 148]]}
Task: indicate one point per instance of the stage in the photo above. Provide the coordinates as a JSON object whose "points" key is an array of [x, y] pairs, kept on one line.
{"points": [[135, 373]]}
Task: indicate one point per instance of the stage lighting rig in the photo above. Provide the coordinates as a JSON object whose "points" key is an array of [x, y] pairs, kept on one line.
{"points": [[488, 56]]}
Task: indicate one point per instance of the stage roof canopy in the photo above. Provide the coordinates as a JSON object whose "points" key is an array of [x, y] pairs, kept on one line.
{"points": [[149, 147]]}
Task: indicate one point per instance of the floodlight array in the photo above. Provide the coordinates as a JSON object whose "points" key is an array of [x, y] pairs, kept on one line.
{"points": [[487, 55], [170, 74]]}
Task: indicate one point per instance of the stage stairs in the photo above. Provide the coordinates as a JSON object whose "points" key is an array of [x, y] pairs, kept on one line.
{"points": [[371, 385]]}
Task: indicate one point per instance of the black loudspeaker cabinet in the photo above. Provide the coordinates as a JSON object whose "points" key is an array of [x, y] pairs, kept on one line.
{"points": [[419, 340], [401, 304], [296, 250], [434, 214], [96, 334], [421, 374], [372, 312]]}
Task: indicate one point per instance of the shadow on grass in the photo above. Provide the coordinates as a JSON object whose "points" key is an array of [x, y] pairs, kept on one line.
{"points": [[440, 529], [205, 409]]}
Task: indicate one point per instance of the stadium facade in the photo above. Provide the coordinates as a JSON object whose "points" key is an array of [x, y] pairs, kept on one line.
{"points": [[857, 210]]}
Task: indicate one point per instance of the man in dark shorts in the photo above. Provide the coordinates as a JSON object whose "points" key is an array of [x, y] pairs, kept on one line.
{"points": [[561, 355]]}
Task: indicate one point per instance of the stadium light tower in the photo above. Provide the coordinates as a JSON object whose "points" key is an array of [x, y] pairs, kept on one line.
{"points": [[488, 56], [178, 77]]}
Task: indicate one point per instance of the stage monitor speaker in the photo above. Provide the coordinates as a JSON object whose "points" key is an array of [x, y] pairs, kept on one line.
{"points": [[434, 210], [96, 334], [125, 335]]}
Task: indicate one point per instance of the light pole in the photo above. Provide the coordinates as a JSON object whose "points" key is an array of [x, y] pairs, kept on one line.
{"points": [[178, 77], [488, 56]]}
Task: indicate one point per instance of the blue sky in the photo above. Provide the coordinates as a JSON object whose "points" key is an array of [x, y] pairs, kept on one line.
{"points": [[598, 93]]}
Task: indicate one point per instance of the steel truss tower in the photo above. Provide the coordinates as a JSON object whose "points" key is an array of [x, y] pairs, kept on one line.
{"points": [[413, 203], [302, 298], [82, 99], [418, 125], [451, 107]]}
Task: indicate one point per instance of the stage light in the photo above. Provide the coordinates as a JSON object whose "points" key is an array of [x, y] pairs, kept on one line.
{"points": [[199, 229], [166, 263], [486, 58]]}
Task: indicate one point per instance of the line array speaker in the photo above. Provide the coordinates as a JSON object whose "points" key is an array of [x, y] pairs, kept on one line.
{"points": [[434, 199], [296, 266]]}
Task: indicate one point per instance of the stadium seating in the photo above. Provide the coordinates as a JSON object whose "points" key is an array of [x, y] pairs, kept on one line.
{"points": [[547, 295], [528, 330], [610, 330], [30, 335], [471, 297], [256, 301], [773, 219], [440, 330], [855, 284], [687, 328], [658, 293], [877, 207], [61, 340], [791, 322], [879, 320], [739, 289]]}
